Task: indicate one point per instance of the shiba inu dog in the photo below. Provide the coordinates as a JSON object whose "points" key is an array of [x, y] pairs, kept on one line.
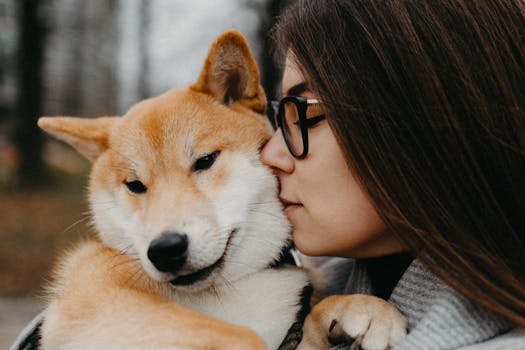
{"points": [[189, 222]]}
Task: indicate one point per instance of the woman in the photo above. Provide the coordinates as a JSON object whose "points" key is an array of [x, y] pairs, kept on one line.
{"points": [[402, 144]]}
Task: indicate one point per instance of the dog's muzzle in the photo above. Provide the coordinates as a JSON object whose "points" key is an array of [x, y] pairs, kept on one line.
{"points": [[168, 253], [202, 274]]}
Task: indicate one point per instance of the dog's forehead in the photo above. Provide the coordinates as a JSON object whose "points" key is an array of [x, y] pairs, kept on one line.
{"points": [[194, 120]]}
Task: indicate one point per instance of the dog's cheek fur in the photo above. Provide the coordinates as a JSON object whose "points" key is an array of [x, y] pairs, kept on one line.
{"points": [[250, 201], [114, 216]]}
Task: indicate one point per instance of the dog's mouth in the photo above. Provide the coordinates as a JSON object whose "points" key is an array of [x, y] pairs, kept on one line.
{"points": [[186, 280]]}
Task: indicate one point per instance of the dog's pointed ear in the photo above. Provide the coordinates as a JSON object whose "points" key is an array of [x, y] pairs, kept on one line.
{"points": [[90, 137], [230, 73]]}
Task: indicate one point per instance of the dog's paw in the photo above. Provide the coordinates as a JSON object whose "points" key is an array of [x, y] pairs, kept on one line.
{"points": [[365, 321]]}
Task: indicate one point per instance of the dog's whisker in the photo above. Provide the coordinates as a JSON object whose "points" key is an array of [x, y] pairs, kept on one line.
{"points": [[75, 224], [273, 215], [128, 251], [238, 263], [125, 262], [215, 291], [135, 276]]}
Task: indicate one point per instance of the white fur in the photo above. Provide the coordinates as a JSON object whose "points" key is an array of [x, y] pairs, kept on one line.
{"points": [[244, 291]]}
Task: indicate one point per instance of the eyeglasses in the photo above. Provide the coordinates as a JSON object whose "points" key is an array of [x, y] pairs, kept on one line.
{"points": [[295, 115]]}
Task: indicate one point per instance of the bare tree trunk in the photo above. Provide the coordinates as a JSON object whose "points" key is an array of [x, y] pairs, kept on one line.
{"points": [[144, 74], [25, 134], [72, 96], [270, 74]]}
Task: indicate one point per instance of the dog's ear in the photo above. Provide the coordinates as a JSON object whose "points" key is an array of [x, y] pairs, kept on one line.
{"points": [[230, 73], [87, 136]]}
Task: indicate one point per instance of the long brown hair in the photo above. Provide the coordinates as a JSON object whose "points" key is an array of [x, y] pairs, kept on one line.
{"points": [[427, 100]]}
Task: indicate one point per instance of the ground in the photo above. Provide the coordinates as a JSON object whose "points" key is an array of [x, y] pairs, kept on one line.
{"points": [[14, 315], [35, 226]]}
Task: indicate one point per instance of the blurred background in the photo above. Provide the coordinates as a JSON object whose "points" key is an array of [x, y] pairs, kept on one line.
{"points": [[87, 58]]}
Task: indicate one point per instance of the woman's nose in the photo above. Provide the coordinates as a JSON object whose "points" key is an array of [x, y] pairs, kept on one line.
{"points": [[275, 154]]}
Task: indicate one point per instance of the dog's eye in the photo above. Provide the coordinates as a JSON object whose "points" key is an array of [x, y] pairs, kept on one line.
{"points": [[205, 162], [136, 187]]}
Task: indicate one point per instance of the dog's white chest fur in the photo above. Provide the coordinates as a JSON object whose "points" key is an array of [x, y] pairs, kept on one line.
{"points": [[267, 302]]}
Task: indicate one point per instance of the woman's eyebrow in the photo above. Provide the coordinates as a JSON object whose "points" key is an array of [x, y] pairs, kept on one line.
{"points": [[297, 89]]}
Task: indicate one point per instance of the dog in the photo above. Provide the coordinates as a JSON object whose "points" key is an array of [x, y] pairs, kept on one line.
{"points": [[190, 227]]}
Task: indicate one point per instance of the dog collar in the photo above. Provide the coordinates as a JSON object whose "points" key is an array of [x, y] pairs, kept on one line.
{"points": [[289, 256]]}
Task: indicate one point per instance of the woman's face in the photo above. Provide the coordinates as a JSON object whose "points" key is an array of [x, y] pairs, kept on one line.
{"points": [[329, 212]]}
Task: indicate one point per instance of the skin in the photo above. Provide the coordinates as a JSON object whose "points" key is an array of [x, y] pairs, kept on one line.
{"points": [[331, 215]]}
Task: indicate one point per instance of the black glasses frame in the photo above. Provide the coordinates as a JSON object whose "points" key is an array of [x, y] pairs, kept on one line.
{"points": [[301, 103]]}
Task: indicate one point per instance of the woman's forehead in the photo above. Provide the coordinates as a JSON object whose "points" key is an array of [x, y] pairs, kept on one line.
{"points": [[292, 75], [294, 83]]}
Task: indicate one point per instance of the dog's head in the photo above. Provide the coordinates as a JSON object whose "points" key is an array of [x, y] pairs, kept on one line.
{"points": [[178, 180]]}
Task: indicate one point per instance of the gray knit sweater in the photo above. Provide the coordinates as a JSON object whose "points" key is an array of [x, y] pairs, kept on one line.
{"points": [[438, 317]]}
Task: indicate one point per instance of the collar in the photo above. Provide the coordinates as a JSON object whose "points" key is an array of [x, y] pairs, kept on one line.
{"points": [[288, 256]]}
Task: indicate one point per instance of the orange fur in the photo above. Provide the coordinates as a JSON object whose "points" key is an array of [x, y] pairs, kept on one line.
{"points": [[167, 134]]}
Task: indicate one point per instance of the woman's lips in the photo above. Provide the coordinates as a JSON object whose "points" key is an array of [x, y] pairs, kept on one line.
{"points": [[290, 206]]}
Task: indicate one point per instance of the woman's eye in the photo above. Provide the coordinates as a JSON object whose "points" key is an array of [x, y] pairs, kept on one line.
{"points": [[136, 187], [314, 121], [205, 162]]}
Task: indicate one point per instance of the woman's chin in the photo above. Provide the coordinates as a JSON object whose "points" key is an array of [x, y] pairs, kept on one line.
{"points": [[306, 245]]}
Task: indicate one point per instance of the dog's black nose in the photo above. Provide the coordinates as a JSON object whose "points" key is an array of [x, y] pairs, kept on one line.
{"points": [[168, 252]]}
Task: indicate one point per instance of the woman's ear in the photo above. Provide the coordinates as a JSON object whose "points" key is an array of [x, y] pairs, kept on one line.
{"points": [[90, 137], [230, 73]]}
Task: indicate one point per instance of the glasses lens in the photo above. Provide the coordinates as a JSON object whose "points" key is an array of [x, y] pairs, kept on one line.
{"points": [[292, 129]]}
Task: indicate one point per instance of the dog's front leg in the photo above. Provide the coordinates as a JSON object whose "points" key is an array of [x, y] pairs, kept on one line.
{"points": [[138, 321], [101, 301], [370, 323]]}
